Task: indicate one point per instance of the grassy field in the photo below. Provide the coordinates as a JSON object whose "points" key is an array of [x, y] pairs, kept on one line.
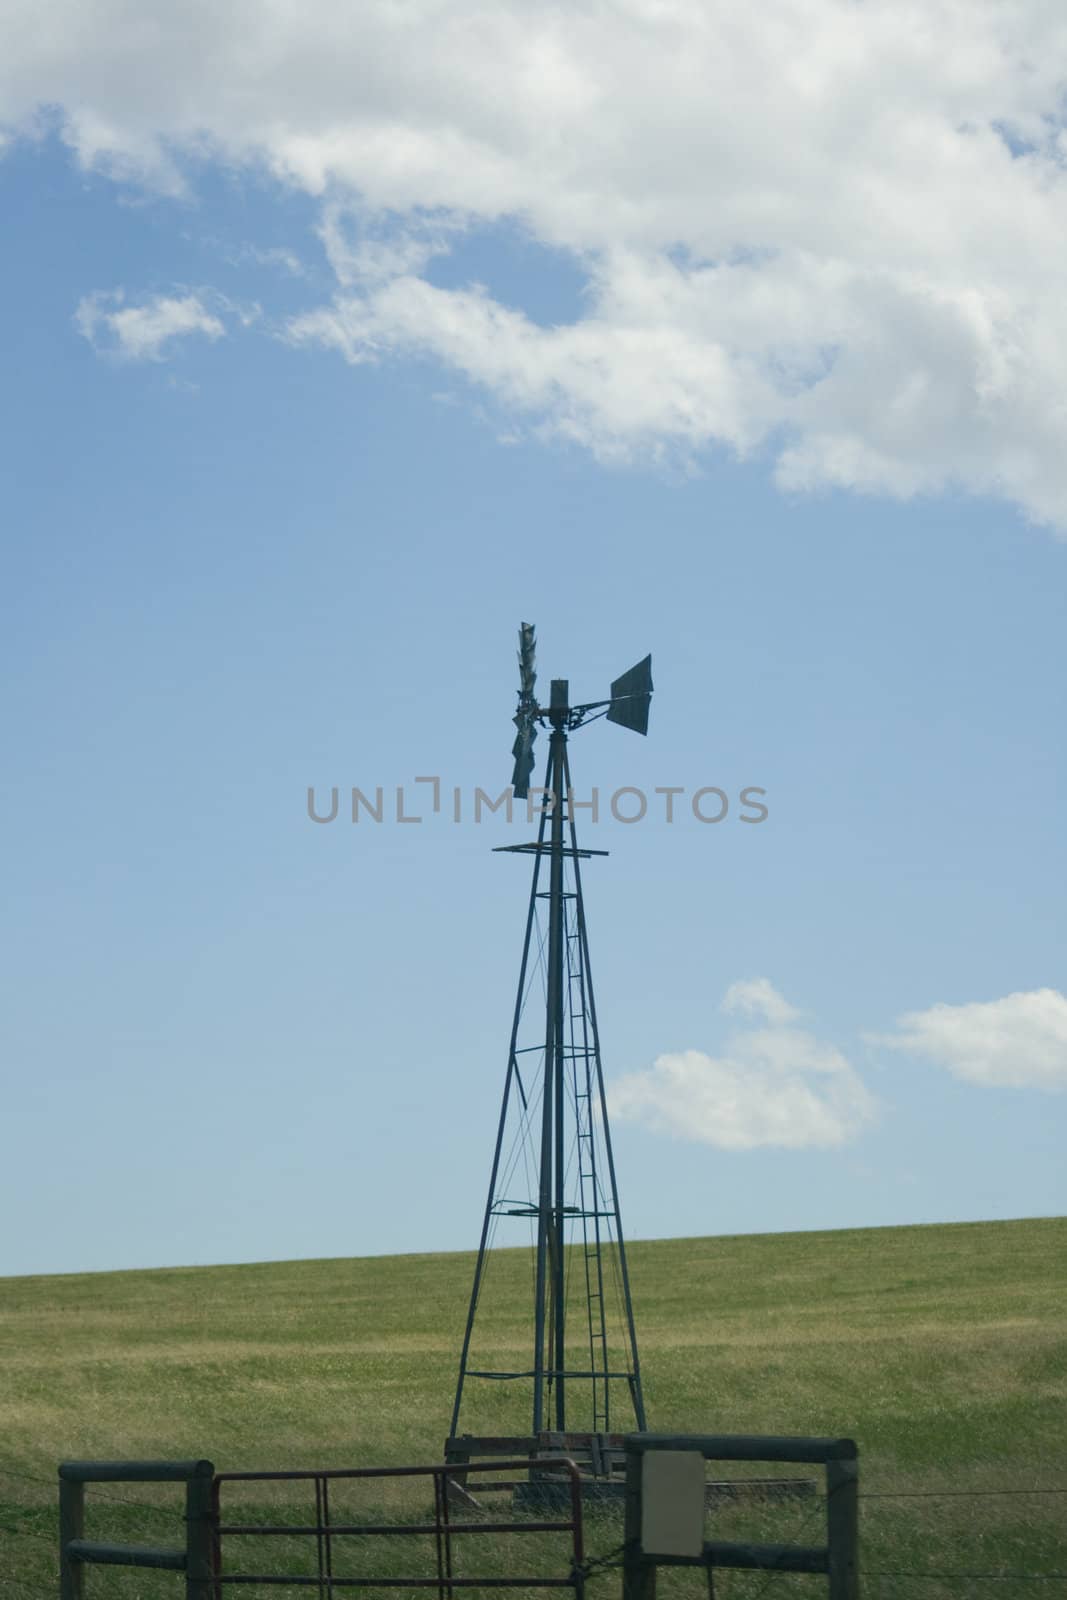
{"points": [[942, 1350]]}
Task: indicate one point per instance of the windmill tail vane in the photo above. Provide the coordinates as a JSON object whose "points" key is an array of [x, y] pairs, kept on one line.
{"points": [[553, 1168]]}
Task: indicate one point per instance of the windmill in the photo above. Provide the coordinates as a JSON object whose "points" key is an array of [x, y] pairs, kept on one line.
{"points": [[553, 1169]]}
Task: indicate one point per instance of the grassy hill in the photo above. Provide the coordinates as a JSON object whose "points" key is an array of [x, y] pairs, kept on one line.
{"points": [[942, 1350]]}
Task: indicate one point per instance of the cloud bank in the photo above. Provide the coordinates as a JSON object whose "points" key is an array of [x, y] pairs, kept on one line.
{"points": [[825, 231], [1019, 1042], [774, 1085]]}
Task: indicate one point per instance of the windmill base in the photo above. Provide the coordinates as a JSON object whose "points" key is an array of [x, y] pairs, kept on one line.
{"points": [[541, 1493], [601, 1462], [599, 1457]]}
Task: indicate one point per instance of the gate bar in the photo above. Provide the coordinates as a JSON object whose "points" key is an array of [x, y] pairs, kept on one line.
{"points": [[442, 1527]]}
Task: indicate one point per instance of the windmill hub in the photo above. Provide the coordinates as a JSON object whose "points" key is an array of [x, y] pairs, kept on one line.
{"points": [[627, 705]]}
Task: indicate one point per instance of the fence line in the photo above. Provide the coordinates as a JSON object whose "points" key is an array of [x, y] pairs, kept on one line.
{"points": [[947, 1494], [954, 1575], [769, 1572], [98, 1494], [984, 1577]]}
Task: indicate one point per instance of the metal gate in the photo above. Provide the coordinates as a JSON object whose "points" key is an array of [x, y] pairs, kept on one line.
{"points": [[447, 1530]]}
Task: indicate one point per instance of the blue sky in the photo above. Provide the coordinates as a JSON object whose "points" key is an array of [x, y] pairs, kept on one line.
{"points": [[237, 564]]}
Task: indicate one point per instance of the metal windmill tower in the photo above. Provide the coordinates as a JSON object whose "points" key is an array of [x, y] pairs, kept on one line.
{"points": [[553, 1163]]}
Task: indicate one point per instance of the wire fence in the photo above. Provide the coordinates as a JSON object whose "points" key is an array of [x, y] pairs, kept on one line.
{"points": [[928, 1543]]}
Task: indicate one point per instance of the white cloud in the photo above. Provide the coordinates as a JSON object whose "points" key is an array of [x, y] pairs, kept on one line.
{"points": [[1017, 1042], [758, 997], [826, 230], [376, 254], [772, 1086], [276, 256], [143, 332]]}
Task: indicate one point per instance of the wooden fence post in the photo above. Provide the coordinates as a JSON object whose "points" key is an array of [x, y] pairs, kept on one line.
{"points": [[200, 1534], [71, 1526], [842, 1527], [638, 1575]]}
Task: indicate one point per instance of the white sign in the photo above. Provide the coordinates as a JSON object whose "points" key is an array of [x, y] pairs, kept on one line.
{"points": [[672, 1503]]}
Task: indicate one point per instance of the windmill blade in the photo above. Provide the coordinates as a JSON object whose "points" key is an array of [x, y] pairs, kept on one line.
{"points": [[522, 750], [527, 651], [630, 697]]}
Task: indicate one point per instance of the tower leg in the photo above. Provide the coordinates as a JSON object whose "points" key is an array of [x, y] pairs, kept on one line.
{"points": [[549, 1278], [512, 1075]]}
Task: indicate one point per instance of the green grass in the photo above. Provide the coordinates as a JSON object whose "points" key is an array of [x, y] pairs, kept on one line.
{"points": [[942, 1350]]}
